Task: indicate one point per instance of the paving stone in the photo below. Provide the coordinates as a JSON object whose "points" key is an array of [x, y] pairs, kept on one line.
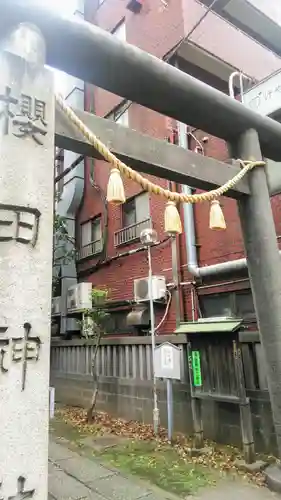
{"points": [[85, 470], [119, 488], [59, 452], [74, 477], [273, 477], [100, 443], [161, 496], [64, 487], [234, 490]]}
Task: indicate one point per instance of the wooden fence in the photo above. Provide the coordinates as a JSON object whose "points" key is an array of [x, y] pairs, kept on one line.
{"points": [[124, 366], [129, 358]]}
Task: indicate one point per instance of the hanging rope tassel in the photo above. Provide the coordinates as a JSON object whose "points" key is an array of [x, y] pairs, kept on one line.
{"points": [[115, 188], [217, 221], [172, 219]]}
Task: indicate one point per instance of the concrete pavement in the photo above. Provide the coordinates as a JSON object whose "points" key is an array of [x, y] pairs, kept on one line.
{"points": [[76, 477]]}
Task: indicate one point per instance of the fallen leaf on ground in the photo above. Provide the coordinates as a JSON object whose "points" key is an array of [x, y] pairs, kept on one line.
{"points": [[221, 458]]}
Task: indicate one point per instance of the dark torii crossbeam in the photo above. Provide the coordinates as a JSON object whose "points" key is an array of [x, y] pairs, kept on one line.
{"points": [[97, 57], [148, 155]]}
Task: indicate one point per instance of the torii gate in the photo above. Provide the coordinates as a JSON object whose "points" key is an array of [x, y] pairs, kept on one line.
{"points": [[96, 57]]}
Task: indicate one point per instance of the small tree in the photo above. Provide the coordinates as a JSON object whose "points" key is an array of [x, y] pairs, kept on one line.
{"points": [[94, 326], [63, 247]]}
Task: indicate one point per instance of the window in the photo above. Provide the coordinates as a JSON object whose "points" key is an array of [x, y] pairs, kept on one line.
{"points": [[129, 215], [216, 305], [236, 304], [136, 210], [123, 118], [90, 238], [134, 218], [120, 114], [90, 231], [245, 305], [120, 31]]}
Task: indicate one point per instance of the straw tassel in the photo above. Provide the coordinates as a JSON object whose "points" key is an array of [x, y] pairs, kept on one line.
{"points": [[172, 219], [217, 221], [115, 188]]}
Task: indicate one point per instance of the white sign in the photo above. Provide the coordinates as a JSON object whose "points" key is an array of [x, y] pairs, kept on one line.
{"points": [[168, 361], [167, 357], [265, 99]]}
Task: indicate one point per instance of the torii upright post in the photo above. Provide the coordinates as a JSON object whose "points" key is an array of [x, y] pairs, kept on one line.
{"points": [[26, 229], [264, 268]]}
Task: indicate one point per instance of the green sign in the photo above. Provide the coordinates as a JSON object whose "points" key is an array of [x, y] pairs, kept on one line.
{"points": [[196, 368]]}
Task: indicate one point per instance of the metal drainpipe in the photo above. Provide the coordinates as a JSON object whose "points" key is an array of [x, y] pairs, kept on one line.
{"points": [[189, 227], [231, 266]]}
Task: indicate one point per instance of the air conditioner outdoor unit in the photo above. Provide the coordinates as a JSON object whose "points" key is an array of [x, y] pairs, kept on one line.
{"points": [[141, 289], [79, 297], [56, 306]]}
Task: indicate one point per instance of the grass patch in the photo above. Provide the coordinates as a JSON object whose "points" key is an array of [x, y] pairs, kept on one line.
{"points": [[160, 465], [138, 452], [149, 460]]}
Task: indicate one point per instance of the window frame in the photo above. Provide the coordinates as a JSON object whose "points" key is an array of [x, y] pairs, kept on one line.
{"points": [[233, 303], [118, 112], [91, 221], [123, 214]]}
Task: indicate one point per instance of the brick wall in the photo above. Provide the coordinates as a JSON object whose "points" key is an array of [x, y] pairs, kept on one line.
{"points": [[155, 30]]}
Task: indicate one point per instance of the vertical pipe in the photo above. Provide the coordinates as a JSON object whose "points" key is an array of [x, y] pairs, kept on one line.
{"points": [[175, 273], [175, 268], [264, 268], [170, 405], [152, 325], [188, 211]]}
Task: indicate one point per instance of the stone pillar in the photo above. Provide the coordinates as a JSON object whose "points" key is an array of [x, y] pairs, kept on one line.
{"points": [[26, 226]]}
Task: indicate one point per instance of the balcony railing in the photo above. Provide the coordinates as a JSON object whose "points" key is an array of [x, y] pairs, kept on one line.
{"points": [[131, 233], [89, 250]]}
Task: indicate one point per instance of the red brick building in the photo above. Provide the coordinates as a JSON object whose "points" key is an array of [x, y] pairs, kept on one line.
{"points": [[213, 51]]}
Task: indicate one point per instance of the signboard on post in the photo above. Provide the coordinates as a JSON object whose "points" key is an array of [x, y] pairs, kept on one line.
{"points": [[168, 366], [167, 361], [167, 357]]}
